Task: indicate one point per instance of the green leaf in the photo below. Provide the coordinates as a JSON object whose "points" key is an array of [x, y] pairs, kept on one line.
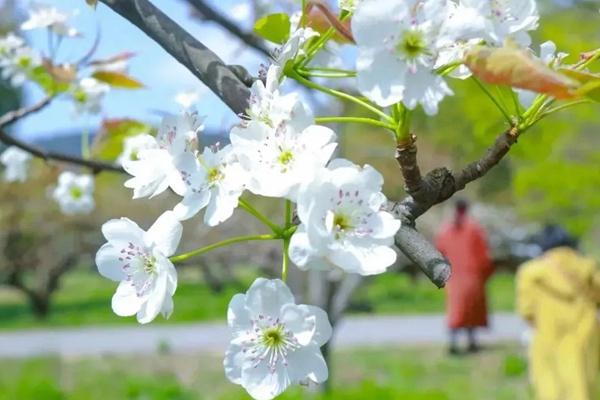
{"points": [[92, 3], [117, 79], [590, 90], [590, 83], [109, 144], [274, 27]]}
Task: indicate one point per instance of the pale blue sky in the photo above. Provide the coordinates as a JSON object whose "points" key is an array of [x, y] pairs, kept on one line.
{"points": [[162, 75]]}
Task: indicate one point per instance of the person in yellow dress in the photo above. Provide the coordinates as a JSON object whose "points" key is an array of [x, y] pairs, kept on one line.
{"points": [[558, 293]]}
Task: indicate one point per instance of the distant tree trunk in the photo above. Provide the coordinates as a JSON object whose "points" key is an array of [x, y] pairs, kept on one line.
{"points": [[40, 304]]}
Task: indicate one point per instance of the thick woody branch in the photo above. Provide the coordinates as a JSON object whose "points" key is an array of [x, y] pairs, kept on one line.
{"points": [[13, 116], [406, 155], [195, 56], [213, 15], [440, 184], [437, 186]]}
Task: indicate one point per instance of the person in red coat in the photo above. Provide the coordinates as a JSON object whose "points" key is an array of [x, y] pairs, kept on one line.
{"points": [[462, 241]]}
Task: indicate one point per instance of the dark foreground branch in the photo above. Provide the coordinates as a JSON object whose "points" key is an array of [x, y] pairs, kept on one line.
{"points": [[213, 15], [186, 49]]}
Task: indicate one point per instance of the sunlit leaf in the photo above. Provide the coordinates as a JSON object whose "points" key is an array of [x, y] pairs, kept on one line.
{"points": [[108, 145], [274, 27], [516, 67], [92, 3], [117, 79]]}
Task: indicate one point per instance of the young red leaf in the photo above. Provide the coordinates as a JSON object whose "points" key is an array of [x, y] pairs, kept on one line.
{"points": [[516, 67]]}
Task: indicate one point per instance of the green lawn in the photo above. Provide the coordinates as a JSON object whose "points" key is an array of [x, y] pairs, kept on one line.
{"points": [[84, 298], [384, 374]]}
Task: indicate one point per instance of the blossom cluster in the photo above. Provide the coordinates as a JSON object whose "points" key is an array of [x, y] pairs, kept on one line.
{"points": [[406, 51], [404, 44]]}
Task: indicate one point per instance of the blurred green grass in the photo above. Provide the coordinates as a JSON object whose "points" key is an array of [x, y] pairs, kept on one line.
{"points": [[423, 373], [84, 299]]}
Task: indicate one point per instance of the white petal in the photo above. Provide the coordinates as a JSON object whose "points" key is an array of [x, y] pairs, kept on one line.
{"points": [[155, 300], [300, 250], [125, 301], [238, 317], [165, 233], [221, 207], [267, 296], [380, 76], [323, 329], [383, 225], [191, 204], [307, 362], [368, 260], [234, 359], [261, 384], [122, 230], [299, 322], [108, 263]]}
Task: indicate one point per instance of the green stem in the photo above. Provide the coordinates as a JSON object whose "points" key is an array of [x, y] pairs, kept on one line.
{"points": [[358, 120], [227, 242], [288, 214], [85, 142], [565, 106], [494, 100], [336, 93], [286, 260], [260, 216], [332, 75]]}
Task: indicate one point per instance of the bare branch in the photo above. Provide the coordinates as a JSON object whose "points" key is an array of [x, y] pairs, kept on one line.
{"points": [[406, 155], [13, 116], [186, 49], [95, 166], [437, 186], [213, 15]]}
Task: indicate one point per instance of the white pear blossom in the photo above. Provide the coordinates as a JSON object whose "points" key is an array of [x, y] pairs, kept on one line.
{"points": [[549, 57], [267, 104], [16, 164], [74, 193], [16, 59], [133, 145], [275, 342], [293, 47], [88, 94], [139, 260], [398, 47], [44, 16], [155, 169], [343, 223], [496, 20], [214, 180], [280, 158]]}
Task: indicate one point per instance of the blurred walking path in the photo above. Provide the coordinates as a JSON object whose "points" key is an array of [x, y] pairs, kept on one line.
{"points": [[352, 332]]}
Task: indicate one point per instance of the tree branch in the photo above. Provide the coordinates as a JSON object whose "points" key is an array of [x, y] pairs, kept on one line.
{"points": [[95, 166], [437, 186], [13, 116], [406, 155], [195, 56], [213, 15]]}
